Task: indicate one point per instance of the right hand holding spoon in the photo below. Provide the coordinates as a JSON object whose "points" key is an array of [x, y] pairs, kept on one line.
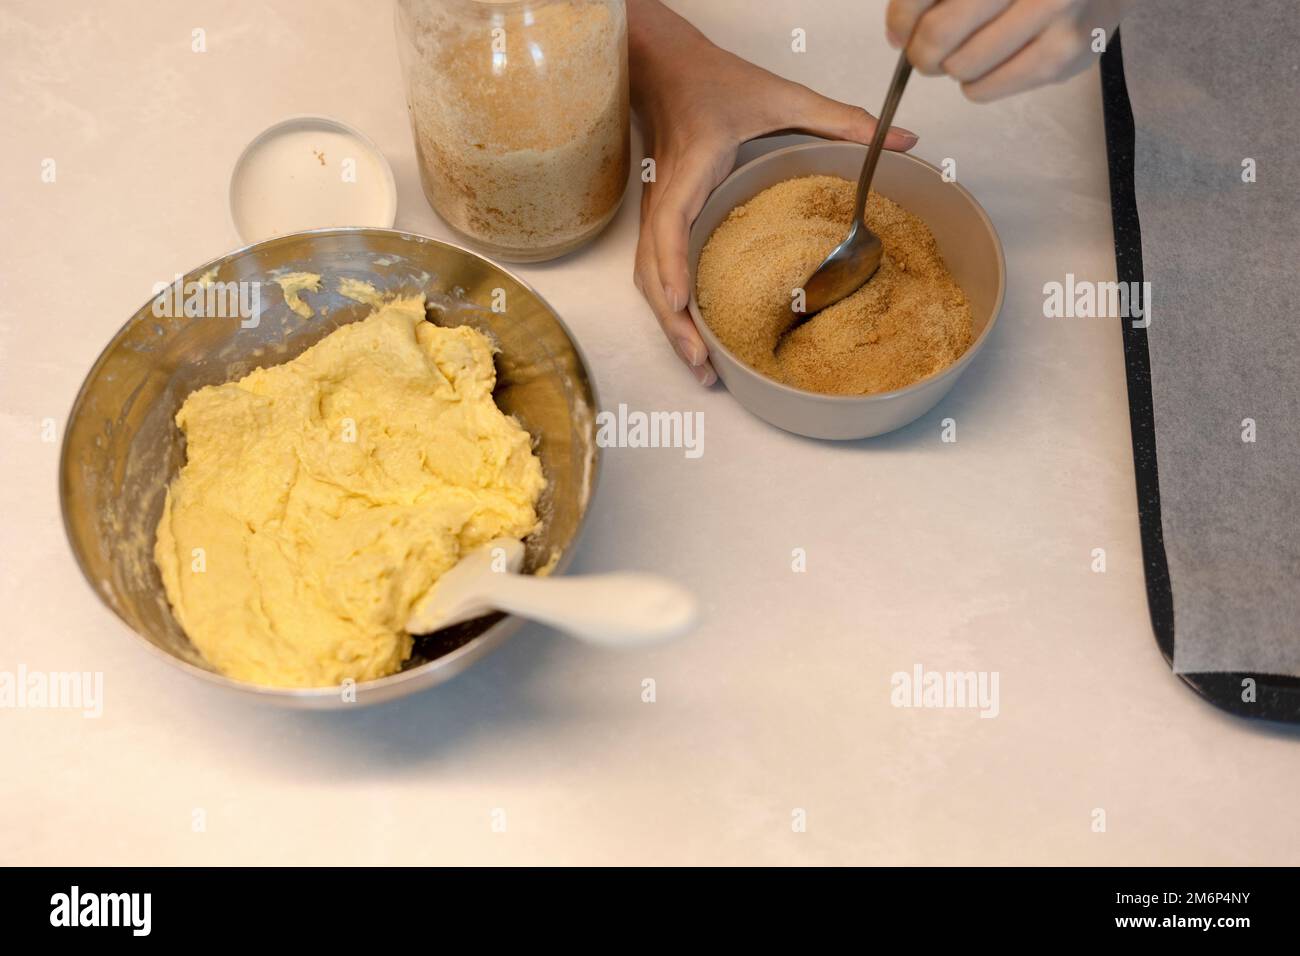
{"points": [[996, 48]]}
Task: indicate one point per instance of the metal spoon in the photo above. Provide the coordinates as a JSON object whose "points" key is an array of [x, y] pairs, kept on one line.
{"points": [[856, 259]]}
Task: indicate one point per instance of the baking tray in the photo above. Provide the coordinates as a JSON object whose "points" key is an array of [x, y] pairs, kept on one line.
{"points": [[1276, 697]]}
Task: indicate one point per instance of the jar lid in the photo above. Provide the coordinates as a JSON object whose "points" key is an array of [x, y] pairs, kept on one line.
{"points": [[310, 172]]}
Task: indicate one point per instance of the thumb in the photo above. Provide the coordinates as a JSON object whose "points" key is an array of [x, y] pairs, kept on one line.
{"points": [[810, 112]]}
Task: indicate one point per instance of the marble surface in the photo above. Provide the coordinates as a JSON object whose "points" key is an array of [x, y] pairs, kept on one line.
{"points": [[967, 556]]}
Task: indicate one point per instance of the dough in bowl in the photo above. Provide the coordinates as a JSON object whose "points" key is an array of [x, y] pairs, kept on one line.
{"points": [[321, 498]]}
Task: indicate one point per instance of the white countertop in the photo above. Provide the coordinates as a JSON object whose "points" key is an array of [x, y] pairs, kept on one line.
{"points": [[973, 555]]}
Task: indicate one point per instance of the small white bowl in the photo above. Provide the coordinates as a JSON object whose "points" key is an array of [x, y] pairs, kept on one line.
{"points": [[970, 248], [310, 172]]}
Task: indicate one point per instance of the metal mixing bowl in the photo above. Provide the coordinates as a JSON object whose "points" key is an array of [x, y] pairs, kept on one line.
{"points": [[121, 446], [970, 248]]}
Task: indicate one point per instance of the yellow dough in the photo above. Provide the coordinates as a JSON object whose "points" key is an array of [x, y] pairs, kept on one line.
{"points": [[323, 497]]}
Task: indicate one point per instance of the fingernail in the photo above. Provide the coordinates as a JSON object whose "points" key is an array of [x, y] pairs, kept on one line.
{"points": [[704, 374], [674, 298], [892, 39], [692, 353], [907, 134]]}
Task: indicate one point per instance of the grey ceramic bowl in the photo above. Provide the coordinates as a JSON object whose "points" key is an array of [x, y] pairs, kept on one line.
{"points": [[121, 446], [967, 240]]}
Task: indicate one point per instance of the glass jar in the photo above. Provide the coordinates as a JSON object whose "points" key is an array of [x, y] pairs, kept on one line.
{"points": [[519, 110]]}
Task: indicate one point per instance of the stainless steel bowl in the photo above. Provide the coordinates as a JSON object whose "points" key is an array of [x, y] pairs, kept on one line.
{"points": [[966, 238], [121, 446]]}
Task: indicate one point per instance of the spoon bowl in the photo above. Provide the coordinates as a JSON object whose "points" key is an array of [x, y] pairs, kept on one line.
{"points": [[849, 266]]}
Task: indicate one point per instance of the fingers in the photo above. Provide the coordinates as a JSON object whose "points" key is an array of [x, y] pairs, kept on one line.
{"points": [[1056, 54], [901, 18], [685, 179], [810, 112], [680, 202], [945, 28], [998, 41], [675, 322], [996, 47], [677, 326]]}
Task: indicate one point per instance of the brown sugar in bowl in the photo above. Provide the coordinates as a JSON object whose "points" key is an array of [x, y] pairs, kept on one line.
{"points": [[967, 241]]}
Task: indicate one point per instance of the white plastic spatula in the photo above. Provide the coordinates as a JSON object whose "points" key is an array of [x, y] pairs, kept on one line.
{"points": [[621, 609]]}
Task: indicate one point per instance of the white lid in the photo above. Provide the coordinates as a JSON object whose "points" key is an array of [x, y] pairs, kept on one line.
{"points": [[310, 172]]}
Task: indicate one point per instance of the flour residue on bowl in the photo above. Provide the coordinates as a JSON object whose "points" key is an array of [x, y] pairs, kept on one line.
{"points": [[910, 321], [293, 285]]}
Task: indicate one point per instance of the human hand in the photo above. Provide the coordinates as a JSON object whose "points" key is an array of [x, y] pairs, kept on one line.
{"points": [[995, 48], [696, 104]]}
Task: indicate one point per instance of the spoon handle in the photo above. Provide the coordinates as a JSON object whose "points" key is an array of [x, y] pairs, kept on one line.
{"points": [[901, 73], [614, 609]]}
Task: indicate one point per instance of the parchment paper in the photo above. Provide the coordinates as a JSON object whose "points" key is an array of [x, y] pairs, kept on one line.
{"points": [[1211, 85]]}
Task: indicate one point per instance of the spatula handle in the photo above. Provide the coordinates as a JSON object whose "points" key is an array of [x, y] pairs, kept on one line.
{"points": [[613, 609]]}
